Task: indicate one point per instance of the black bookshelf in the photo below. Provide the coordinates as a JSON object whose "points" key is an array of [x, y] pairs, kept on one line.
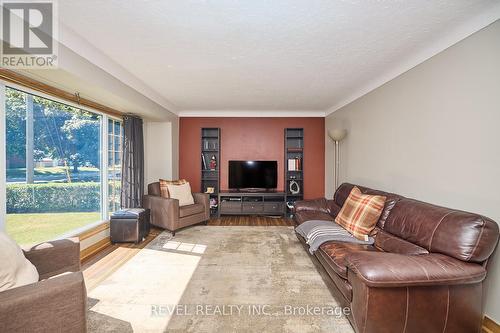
{"points": [[210, 175], [294, 170]]}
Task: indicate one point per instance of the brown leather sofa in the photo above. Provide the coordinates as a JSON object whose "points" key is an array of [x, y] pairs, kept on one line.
{"points": [[167, 214], [424, 273], [56, 303]]}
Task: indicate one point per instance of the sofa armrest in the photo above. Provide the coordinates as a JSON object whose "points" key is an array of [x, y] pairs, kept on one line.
{"points": [[204, 199], [54, 305], [381, 269], [55, 257], [312, 205], [164, 211]]}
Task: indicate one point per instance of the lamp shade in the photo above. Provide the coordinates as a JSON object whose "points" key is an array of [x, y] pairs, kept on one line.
{"points": [[337, 134]]}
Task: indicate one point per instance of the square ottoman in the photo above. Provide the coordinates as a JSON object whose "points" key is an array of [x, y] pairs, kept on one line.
{"points": [[129, 225]]}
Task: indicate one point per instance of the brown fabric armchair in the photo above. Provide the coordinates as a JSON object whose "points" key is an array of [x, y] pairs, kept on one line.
{"points": [[167, 214], [55, 303]]}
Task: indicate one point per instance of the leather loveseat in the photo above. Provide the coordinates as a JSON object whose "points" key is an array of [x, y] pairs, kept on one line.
{"points": [[424, 273]]}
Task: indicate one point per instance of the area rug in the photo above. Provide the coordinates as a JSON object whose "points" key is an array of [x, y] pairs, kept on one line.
{"points": [[217, 279]]}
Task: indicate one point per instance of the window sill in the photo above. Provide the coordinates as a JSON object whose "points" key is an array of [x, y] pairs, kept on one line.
{"points": [[87, 231]]}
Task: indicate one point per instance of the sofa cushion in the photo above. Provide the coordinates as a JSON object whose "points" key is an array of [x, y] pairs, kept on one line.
{"points": [[386, 242], [307, 215], [461, 235], [181, 193], [398, 270], [337, 252], [360, 213], [317, 205], [191, 210], [15, 269], [340, 281]]}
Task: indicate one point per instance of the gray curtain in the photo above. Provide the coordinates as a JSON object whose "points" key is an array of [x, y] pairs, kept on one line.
{"points": [[132, 163]]}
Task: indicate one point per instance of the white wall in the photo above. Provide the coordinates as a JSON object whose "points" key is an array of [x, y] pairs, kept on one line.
{"points": [[157, 151], [175, 148], [433, 133]]}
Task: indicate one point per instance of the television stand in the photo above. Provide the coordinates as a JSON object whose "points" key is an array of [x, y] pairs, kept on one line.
{"points": [[251, 203]]}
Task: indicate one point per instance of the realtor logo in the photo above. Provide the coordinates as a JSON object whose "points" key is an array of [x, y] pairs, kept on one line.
{"points": [[29, 32]]}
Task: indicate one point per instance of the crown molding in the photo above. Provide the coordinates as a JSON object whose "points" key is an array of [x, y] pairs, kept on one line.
{"points": [[252, 113], [465, 30]]}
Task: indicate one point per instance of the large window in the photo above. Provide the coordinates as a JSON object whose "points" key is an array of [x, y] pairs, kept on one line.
{"points": [[55, 164]]}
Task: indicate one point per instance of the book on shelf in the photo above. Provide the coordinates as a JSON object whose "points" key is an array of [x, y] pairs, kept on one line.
{"points": [[294, 164]]}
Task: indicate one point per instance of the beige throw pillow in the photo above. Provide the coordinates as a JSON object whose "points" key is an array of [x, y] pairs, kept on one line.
{"points": [[182, 193], [15, 269], [164, 188]]}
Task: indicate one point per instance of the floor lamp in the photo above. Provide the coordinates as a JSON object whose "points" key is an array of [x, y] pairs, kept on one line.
{"points": [[337, 135]]}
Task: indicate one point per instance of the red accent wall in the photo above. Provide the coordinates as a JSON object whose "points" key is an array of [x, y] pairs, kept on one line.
{"points": [[254, 139]]}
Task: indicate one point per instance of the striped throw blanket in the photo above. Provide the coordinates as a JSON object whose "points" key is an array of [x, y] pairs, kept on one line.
{"points": [[317, 232]]}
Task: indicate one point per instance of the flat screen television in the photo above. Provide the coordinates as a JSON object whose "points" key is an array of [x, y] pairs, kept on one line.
{"points": [[253, 174]]}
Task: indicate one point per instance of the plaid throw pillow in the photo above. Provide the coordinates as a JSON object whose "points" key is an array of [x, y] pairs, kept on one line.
{"points": [[360, 213], [164, 188]]}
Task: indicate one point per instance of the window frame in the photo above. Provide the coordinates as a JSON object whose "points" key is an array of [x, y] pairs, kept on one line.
{"points": [[103, 153], [3, 159], [114, 151]]}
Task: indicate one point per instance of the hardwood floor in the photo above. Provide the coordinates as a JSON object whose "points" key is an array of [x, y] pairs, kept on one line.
{"points": [[101, 265], [250, 221], [490, 326]]}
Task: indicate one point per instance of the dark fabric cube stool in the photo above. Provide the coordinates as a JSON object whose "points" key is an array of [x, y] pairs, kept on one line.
{"points": [[129, 225]]}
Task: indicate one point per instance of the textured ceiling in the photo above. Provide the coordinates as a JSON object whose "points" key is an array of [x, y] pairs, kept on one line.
{"points": [[264, 55]]}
